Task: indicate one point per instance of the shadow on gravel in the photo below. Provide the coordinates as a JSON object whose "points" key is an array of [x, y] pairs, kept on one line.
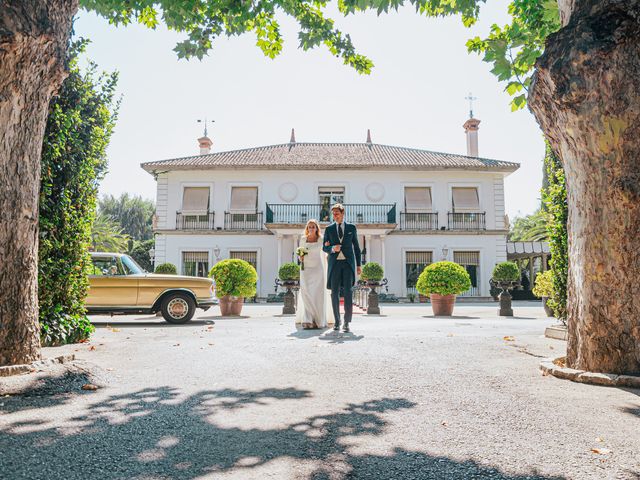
{"points": [[156, 323], [158, 433]]}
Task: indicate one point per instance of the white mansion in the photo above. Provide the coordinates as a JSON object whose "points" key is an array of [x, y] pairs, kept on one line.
{"points": [[412, 207]]}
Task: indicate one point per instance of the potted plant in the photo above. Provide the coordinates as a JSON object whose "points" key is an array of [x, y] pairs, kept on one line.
{"points": [[169, 268], [372, 274], [442, 281], [235, 280], [411, 297], [289, 278], [506, 276], [544, 290]]}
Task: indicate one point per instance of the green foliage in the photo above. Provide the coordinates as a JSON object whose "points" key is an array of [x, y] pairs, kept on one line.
{"points": [[506, 272], [133, 213], [79, 126], [140, 253], [530, 228], [513, 49], [555, 199], [289, 271], [107, 235], [234, 277], [544, 284], [372, 272], [168, 268], [444, 278], [203, 21]]}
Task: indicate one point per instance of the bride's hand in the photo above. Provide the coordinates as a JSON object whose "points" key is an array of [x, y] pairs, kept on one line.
{"points": [[326, 244]]}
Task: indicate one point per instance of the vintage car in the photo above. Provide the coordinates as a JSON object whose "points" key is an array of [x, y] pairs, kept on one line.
{"points": [[118, 285]]}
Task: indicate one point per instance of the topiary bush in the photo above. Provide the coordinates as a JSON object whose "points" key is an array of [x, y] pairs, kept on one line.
{"points": [[443, 278], [288, 272], [234, 277], [169, 268], [372, 272], [544, 284], [506, 272]]}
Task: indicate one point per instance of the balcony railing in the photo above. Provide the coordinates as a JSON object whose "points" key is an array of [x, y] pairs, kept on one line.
{"points": [[359, 213], [194, 221], [243, 221], [419, 221], [466, 221]]}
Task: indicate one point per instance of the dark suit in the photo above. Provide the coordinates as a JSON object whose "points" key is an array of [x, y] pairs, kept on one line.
{"points": [[342, 273]]}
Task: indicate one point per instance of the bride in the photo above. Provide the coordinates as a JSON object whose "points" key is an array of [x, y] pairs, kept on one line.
{"points": [[314, 301]]}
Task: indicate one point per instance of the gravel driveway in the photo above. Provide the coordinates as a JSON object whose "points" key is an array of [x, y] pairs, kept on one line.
{"points": [[405, 396]]}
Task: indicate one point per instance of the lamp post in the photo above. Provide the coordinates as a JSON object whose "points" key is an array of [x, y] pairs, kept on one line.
{"points": [[152, 257], [216, 253]]}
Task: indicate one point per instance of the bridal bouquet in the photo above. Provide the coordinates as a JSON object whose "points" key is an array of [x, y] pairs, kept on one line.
{"points": [[301, 252]]}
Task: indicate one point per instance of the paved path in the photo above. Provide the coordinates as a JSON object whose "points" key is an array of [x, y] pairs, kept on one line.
{"points": [[403, 397]]}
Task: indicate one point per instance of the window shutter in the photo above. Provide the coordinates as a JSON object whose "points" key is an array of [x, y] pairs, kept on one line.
{"points": [[250, 257], [195, 199], [465, 199], [417, 199], [422, 258], [244, 199], [466, 258]]}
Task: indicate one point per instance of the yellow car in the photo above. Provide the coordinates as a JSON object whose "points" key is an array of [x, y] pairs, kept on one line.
{"points": [[118, 285]]}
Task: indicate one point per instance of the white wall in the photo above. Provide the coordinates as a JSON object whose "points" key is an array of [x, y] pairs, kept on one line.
{"points": [[360, 187]]}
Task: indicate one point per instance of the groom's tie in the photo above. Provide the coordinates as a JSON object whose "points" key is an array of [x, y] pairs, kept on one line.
{"points": [[340, 231]]}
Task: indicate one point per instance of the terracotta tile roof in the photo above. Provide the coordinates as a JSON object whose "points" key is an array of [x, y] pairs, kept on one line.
{"points": [[322, 156]]}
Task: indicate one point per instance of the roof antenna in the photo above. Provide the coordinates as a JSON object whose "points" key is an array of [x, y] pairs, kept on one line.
{"points": [[206, 134], [471, 98]]}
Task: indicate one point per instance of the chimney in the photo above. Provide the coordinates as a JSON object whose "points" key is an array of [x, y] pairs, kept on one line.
{"points": [[368, 136], [471, 129], [205, 145], [293, 136]]}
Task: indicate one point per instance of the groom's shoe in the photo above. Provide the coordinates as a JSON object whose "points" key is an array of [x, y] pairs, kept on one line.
{"points": [[336, 327], [345, 329]]}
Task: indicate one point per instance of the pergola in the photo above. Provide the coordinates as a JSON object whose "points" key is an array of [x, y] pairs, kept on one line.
{"points": [[520, 251]]}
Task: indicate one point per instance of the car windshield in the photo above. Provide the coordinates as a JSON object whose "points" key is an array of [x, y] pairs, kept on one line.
{"points": [[130, 266]]}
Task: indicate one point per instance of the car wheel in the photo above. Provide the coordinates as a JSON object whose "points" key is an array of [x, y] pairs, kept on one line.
{"points": [[178, 308]]}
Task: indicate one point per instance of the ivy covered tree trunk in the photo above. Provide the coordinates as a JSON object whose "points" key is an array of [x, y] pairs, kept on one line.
{"points": [[586, 97], [33, 41]]}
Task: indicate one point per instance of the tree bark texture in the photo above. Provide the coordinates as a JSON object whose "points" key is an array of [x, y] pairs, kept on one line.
{"points": [[34, 35], [586, 97]]}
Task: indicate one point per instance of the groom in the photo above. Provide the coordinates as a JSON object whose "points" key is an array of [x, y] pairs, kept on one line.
{"points": [[341, 243]]}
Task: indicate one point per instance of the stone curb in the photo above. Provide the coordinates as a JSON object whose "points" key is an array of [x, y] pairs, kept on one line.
{"points": [[21, 369], [557, 332], [604, 379]]}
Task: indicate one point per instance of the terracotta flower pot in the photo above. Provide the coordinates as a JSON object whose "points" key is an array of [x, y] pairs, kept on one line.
{"points": [[230, 306], [547, 309], [442, 305]]}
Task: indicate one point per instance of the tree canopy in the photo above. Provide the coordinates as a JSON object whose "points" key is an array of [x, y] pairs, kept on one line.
{"points": [[132, 212], [512, 49]]}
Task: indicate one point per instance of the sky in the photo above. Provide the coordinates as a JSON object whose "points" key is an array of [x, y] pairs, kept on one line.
{"points": [[414, 97]]}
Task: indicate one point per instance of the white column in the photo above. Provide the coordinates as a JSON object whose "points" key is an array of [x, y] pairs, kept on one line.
{"points": [[382, 254], [279, 239], [367, 241]]}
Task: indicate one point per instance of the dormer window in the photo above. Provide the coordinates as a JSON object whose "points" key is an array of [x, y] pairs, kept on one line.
{"points": [[465, 199], [417, 199]]}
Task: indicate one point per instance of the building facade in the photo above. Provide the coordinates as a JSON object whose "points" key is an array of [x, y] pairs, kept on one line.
{"points": [[412, 207]]}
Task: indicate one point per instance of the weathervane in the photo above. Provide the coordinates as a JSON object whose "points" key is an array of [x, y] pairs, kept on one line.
{"points": [[471, 98], [205, 125]]}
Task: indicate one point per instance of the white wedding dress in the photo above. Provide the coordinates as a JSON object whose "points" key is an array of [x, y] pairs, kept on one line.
{"points": [[314, 300]]}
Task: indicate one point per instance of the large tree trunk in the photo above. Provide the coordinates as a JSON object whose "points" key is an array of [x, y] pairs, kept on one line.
{"points": [[33, 40], [586, 97]]}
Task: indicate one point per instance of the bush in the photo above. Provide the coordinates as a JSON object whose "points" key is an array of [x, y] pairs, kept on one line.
{"points": [[79, 126], [140, 253], [443, 278], [289, 271], [372, 272], [555, 201], [169, 268], [544, 284], [234, 277], [506, 272]]}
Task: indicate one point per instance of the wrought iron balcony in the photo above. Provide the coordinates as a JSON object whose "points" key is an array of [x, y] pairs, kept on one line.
{"points": [[419, 221], [243, 221], [194, 221], [358, 213], [466, 221]]}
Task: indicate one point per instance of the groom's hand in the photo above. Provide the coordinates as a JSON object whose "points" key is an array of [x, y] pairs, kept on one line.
{"points": [[359, 270], [336, 248]]}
